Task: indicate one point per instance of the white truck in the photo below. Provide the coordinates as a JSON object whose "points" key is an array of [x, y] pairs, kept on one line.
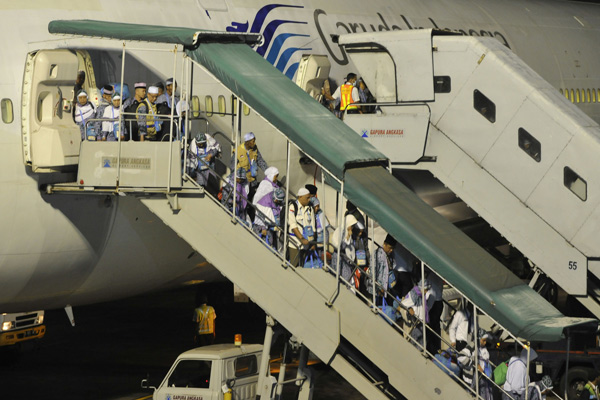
{"points": [[19, 327], [216, 372]]}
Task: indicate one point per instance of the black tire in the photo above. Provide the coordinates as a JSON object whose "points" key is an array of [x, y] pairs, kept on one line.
{"points": [[578, 377]]}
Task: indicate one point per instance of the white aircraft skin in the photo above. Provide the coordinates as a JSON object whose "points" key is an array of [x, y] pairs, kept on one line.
{"points": [[58, 250]]}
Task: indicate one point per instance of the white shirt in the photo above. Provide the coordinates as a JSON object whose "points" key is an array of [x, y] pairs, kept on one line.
{"points": [[304, 217], [459, 327], [516, 376]]}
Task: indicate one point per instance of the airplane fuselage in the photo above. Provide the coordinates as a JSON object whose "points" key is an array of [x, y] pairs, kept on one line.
{"points": [[60, 250]]}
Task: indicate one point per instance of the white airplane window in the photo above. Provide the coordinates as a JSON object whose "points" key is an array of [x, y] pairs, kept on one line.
{"points": [[530, 145], [577, 95], [593, 95], [7, 111], [246, 110], [589, 96], [195, 106], [208, 105], [222, 105], [484, 106], [575, 183], [572, 96]]}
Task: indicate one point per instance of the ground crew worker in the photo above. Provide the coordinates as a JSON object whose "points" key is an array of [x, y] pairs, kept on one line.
{"points": [[204, 317], [146, 113], [249, 158], [348, 95], [592, 386], [301, 228]]}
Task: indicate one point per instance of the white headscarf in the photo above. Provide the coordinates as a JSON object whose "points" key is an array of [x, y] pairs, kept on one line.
{"points": [[271, 172], [266, 186]]}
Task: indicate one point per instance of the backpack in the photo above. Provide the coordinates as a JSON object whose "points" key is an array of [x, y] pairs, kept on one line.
{"points": [[500, 373]]}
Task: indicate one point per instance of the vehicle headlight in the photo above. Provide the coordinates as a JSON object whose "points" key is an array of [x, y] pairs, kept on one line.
{"points": [[39, 319], [7, 325]]}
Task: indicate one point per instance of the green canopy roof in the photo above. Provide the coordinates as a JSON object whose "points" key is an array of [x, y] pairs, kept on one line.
{"points": [[425, 233]]}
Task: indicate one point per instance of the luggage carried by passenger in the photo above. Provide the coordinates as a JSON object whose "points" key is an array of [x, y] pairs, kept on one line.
{"points": [[500, 373]]}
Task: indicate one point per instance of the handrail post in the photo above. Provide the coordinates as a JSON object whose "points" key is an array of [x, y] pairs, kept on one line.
{"points": [[342, 225], [236, 133], [184, 123], [372, 269], [121, 118], [171, 122], [323, 208], [476, 329], [527, 376], [285, 207], [424, 300]]}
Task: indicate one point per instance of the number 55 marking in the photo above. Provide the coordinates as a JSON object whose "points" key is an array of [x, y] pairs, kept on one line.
{"points": [[573, 265]]}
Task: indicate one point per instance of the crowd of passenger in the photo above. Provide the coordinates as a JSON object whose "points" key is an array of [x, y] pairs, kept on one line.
{"points": [[146, 113]]}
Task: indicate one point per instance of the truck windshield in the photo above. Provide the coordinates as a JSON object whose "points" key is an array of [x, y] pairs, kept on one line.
{"points": [[191, 374]]}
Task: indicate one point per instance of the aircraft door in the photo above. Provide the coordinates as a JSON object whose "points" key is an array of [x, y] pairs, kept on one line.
{"points": [[313, 71], [50, 137]]}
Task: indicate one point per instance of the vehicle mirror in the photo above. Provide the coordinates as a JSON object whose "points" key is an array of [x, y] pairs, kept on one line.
{"points": [[145, 385]]}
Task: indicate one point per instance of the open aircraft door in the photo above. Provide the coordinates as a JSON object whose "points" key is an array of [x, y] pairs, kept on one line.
{"points": [[51, 139], [398, 70], [313, 70]]}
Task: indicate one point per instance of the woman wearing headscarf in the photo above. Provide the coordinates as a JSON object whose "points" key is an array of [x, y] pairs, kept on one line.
{"points": [[267, 185]]}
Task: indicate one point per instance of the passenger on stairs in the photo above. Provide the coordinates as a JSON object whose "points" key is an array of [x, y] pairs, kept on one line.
{"points": [[263, 201], [516, 376], [110, 129], [417, 309], [301, 227], [249, 158], [105, 101], [434, 341], [484, 368], [84, 111], [147, 117], [344, 239], [384, 267], [268, 217], [241, 190], [321, 224], [539, 390], [460, 330], [203, 150]]}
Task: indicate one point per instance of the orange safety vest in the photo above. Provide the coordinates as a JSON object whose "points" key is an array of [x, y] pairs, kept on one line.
{"points": [[346, 97], [205, 316]]}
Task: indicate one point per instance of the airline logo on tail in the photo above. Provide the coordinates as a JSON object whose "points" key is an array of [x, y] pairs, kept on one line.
{"points": [[276, 48]]}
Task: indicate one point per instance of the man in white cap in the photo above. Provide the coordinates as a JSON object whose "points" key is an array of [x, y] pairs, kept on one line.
{"points": [[168, 97], [301, 217], [130, 106], [107, 92], [84, 111], [148, 124], [249, 158], [110, 128]]}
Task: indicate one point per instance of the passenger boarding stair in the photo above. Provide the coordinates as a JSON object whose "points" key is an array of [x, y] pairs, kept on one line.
{"points": [[326, 316], [496, 134]]}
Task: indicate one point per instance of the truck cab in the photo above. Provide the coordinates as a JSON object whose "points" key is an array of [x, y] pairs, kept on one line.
{"points": [[209, 372], [19, 327]]}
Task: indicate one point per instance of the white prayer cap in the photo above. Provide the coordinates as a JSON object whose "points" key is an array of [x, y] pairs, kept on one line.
{"points": [[248, 136], [116, 97], [153, 90], [303, 192], [82, 93]]}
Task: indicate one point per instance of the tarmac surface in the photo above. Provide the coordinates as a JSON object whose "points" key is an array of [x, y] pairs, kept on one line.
{"points": [[114, 345]]}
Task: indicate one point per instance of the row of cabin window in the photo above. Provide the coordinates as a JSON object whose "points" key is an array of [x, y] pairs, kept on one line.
{"points": [[581, 96], [6, 107], [530, 145]]}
